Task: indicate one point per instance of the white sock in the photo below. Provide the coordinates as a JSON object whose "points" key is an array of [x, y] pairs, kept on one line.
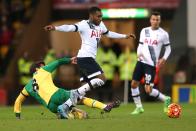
{"points": [[68, 103], [96, 82], [136, 97], [159, 95], [83, 89]]}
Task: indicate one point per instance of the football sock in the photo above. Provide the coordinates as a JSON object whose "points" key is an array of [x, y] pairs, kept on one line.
{"points": [[68, 103], [96, 82], [83, 89], [136, 97], [93, 103], [155, 93]]}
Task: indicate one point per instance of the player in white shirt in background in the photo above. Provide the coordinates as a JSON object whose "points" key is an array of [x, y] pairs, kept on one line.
{"points": [[90, 31], [151, 41]]}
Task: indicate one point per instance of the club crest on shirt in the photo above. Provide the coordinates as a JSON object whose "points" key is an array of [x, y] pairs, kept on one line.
{"points": [[147, 33]]}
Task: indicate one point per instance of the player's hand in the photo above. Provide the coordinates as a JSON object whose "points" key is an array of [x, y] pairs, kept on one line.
{"points": [[140, 57], [49, 28], [161, 62], [74, 60], [130, 36]]}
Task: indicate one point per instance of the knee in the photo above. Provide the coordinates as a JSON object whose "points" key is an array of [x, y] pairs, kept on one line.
{"points": [[102, 77], [134, 84], [97, 82], [148, 89]]}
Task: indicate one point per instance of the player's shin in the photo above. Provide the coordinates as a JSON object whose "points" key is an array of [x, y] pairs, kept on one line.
{"points": [[136, 97], [93, 103], [96, 82], [155, 93], [137, 100], [166, 99]]}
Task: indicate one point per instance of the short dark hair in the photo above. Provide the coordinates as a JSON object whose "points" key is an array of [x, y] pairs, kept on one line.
{"points": [[35, 65], [94, 9], [156, 13]]}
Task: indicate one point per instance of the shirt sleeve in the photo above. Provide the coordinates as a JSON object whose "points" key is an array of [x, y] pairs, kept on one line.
{"points": [[166, 39], [66, 28], [103, 28], [167, 52], [142, 37], [80, 26], [140, 45], [55, 64], [111, 34]]}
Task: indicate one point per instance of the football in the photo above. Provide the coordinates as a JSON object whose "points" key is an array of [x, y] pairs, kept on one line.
{"points": [[174, 110]]}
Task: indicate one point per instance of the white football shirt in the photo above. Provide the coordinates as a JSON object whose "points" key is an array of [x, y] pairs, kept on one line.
{"points": [[151, 43], [90, 35]]}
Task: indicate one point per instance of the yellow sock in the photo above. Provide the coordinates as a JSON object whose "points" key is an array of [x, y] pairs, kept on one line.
{"points": [[93, 103]]}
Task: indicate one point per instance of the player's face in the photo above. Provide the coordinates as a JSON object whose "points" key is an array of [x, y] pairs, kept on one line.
{"points": [[97, 17], [155, 21]]}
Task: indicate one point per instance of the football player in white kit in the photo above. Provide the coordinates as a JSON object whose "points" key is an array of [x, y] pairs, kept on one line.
{"points": [[150, 43], [90, 31]]}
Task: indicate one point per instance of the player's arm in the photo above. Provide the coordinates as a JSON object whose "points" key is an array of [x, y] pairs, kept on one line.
{"points": [[19, 100], [67, 28], [64, 28], [162, 61], [55, 64], [140, 46], [139, 51], [112, 34], [167, 52]]}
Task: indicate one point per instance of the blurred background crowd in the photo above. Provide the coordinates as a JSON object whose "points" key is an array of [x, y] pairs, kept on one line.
{"points": [[23, 41]]}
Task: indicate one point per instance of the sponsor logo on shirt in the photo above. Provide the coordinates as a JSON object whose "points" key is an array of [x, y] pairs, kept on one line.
{"points": [[96, 33], [150, 41]]}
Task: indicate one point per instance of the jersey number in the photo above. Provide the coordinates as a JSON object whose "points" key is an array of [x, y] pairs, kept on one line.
{"points": [[147, 78], [35, 85]]}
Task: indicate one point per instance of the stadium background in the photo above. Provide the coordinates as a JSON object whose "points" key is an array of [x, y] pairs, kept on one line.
{"points": [[22, 37]]}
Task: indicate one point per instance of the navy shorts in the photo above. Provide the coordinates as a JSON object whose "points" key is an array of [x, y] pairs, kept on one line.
{"points": [[88, 68], [143, 70]]}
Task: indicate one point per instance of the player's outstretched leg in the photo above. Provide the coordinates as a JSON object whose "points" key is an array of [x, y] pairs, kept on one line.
{"points": [[96, 82], [77, 94], [99, 105], [166, 99]]}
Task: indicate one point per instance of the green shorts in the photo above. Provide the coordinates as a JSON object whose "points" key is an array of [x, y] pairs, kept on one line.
{"points": [[58, 98]]}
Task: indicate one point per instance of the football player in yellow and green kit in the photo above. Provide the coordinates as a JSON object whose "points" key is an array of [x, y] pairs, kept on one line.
{"points": [[57, 100]]}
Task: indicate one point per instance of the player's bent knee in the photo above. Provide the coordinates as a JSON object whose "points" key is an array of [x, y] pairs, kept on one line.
{"points": [[148, 92], [134, 84], [148, 89], [97, 82]]}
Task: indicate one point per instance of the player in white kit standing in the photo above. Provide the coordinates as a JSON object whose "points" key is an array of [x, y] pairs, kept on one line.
{"points": [[151, 41], [90, 31]]}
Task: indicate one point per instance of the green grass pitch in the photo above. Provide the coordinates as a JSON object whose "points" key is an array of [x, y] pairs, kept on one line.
{"points": [[38, 118]]}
